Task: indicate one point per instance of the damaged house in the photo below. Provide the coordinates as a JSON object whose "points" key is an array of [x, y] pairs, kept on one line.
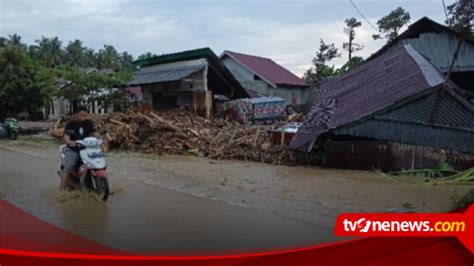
{"points": [[262, 76], [438, 44], [392, 112], [190, 78]]}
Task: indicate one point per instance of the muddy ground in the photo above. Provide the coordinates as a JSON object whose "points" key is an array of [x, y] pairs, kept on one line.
{"points": [[306, 199]]}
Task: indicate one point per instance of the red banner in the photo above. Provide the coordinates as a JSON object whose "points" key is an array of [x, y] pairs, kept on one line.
{"points": [[27, 240], [460, 225]]}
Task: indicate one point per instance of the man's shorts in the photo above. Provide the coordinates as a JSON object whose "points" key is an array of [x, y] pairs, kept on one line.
{"points": [[71, 158]]}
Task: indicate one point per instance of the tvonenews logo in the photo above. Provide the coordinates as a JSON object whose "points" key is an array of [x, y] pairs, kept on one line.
{"points": [[364, 225], [460, 225]]}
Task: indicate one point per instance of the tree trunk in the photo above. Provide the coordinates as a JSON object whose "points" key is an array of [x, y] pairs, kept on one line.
{"points": [[350, 45]]}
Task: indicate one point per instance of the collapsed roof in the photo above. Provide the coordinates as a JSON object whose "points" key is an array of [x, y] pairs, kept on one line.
{"points": [[377, 84]]}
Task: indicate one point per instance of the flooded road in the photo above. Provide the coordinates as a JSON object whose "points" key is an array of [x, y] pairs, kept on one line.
{"points": [[192, 204], [147, 219]]}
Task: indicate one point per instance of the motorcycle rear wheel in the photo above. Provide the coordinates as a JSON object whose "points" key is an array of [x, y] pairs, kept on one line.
{"points": [[13, 136]]}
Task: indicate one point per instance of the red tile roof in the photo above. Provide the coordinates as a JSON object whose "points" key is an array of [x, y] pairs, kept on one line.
{"points": [[267, 69]]}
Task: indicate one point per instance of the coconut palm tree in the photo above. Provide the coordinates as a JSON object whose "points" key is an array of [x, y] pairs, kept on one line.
{"points": [[15, 41], [90, 58], [126, 60], [108, 57], [3, 41], [74, 53], [50, 51]]}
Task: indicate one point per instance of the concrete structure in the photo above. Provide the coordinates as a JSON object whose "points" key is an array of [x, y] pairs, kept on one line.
{"points": [[263, 77]]}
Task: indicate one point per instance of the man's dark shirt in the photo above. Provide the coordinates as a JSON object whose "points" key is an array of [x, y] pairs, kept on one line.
{"points": [[81, 129]]}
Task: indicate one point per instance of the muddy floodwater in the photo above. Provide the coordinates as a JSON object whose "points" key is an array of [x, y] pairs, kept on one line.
{"points": [[147, 219], [189, 204]]}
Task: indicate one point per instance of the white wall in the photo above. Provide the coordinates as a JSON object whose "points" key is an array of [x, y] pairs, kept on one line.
{"points": [[60, 107]]}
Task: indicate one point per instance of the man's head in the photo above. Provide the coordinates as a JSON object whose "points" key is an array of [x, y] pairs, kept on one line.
{"points": [[81, 114]]}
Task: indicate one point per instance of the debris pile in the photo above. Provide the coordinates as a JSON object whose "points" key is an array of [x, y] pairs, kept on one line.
{"points": [[179, 131], [296, 117]]}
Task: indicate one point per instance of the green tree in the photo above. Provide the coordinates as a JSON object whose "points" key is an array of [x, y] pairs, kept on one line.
{"points": [[90, 58], [74, 53], [15, 41], [460, 17], [351, 25], [3, 42], [126, 60], [25, 85], [33, 52], [96, 86], [111, 89], [390, 25], [353, 63], [321, 69], [146, 56], [108, 57], [50, 51]]}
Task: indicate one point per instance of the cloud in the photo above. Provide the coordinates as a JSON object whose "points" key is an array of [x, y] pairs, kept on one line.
{"points": [[287, 32], [292, 45]]}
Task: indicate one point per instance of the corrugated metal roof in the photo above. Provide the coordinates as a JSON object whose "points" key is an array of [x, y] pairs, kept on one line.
{"points": [[175, 57], [215, 65], [451, 113], [439, 48], [449, 138], [430, 73], [437, 43], [267, 69], [365, 90], [147, 76]]}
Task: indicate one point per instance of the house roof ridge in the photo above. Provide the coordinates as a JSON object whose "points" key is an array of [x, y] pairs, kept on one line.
{"points": [[251, 55], [267, 69]]}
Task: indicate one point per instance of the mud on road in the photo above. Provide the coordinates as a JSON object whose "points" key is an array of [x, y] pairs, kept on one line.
{"points": [[170, 203]]}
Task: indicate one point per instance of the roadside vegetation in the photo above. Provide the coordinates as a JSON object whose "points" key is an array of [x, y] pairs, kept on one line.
{"points": [[31, 75]]}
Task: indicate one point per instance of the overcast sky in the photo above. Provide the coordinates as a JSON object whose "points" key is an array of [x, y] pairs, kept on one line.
{"points": [[286, 31]]}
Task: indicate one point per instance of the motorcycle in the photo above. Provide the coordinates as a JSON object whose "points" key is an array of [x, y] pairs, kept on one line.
{"points": [[90, 171], [9, 129]]}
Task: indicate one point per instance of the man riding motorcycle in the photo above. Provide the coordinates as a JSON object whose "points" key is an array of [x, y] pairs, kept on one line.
{"points": [[78, 128]]}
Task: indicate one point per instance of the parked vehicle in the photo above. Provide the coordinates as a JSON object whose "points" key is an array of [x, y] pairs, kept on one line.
{"points": [[9, 129], [91, 172]]}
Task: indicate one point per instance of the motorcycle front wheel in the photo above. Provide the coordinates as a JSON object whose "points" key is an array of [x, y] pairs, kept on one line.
{"points": [[102, 187]]}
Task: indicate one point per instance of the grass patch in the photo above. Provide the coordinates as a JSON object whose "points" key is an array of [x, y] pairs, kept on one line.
{"points": [[458, 201]]}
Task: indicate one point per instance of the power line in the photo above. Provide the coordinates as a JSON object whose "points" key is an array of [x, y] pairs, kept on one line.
{"points": [[362, 15]]}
